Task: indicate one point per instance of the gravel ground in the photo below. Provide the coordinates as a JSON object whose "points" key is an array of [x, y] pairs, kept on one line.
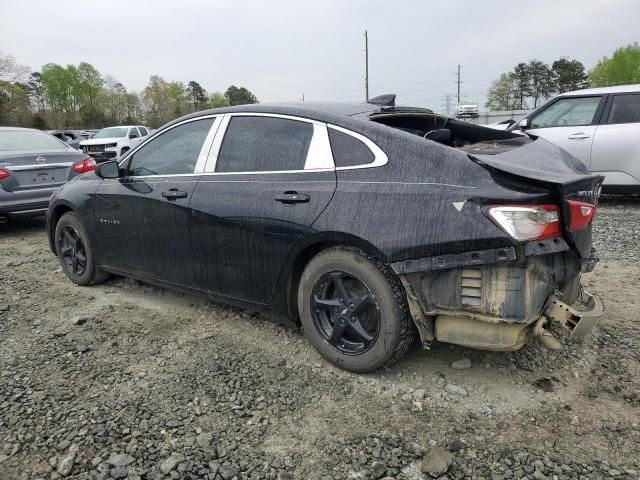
{"points": [[124, 380]]}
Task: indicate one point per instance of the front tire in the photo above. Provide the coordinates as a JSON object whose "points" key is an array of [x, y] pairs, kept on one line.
{"points": [[75, 252], [353, 310]]}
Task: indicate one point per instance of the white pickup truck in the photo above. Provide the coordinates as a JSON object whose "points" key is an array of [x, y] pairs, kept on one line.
{"points": [[112, 143]]}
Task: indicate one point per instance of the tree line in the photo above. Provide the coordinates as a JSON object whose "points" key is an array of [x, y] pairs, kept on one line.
{"points": [[79, 96], [528, 84]]}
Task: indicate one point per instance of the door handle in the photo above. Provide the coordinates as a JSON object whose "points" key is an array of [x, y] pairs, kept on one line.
{"points": [[578, 136], [292, 197], [174, 194]]}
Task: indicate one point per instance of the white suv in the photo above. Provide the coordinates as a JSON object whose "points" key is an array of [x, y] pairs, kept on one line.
{"points": [[600, 127], [112, 143]]}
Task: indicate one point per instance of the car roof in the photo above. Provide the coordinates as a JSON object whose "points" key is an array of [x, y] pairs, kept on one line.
{"points": [[322, 111], [616, 89]]}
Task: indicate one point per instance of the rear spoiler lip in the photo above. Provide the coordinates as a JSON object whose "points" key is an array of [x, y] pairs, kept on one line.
{"points": [[539, 161]]}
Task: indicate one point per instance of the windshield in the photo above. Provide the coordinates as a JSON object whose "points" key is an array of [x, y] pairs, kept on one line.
{"points": [[28, 140], [111, 132]]}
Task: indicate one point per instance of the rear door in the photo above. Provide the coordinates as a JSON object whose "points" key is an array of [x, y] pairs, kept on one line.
{"points": [[616, 147], [142, 219], [570, 123], [269, 177]]}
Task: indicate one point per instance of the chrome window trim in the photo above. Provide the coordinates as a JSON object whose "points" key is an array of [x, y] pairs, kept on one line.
{"points": [[379, 157], [319, 156], [206, 146], [155, 135]]}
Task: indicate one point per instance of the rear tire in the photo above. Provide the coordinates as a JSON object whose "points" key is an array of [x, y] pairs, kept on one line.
{"points": [[351, 336], [75, 252]]}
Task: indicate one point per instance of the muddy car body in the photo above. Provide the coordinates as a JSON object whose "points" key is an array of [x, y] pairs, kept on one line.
{"points": [[364, 221]]}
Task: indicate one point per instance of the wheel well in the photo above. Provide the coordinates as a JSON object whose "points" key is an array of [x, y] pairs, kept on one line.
{"points": [[305, 256], [53, 221]]}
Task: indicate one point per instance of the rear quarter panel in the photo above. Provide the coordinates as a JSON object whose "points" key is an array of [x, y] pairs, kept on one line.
{"points": [[427, 200]]}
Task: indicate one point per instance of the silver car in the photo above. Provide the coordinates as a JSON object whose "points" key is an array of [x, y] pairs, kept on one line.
{"points": [[32, 165], [600, 127]]}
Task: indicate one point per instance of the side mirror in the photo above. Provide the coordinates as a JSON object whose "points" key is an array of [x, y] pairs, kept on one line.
{"points": [[109, 169], [523, 124], [133, 135]]}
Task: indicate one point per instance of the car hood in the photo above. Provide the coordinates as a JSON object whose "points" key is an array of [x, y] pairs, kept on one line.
{"points": [[100, 141]]}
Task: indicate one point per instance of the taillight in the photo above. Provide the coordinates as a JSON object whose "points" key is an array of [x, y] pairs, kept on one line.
{"points": [[4, 173], [84, 166], [527, 222], [580, 214]]}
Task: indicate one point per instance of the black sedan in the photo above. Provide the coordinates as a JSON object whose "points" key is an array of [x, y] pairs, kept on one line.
{"points": [[368, 223]]}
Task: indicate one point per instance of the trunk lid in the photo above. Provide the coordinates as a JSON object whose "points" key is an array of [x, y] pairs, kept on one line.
{"points": [[37, 169], [545, 164]]}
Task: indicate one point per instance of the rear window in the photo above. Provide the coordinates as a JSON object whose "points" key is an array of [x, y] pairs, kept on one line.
{"points": [[348, 151], [28, 140], [625, 109]]}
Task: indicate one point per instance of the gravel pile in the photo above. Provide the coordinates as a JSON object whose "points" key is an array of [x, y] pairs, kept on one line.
{"points": [[127, 381]]}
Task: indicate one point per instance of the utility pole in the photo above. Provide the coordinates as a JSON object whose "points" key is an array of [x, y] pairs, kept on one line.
{"points": [[458, 81], [366, 66]]}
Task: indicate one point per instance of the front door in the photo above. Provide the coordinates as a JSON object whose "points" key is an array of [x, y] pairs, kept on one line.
{"points": [[570, 123], [142, 219], [272, 178]]}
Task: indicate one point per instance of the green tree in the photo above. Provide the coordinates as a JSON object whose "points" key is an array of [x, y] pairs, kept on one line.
{"points": [[35, 89], [14, 104], [89, 84], [178, 95], [568, 75], [622, 68], [134, 108], [522, 84], [113, 100], [197, 95], [502, 93], [217, 100], [157, 101], [239, 96], [540, 81]]}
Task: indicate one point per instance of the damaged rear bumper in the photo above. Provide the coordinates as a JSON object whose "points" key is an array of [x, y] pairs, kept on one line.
{"points": [[502, 302]]}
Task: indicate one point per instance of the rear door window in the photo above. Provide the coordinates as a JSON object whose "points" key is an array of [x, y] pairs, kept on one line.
{"points": [[174, 152], [625, 109], [567, 112], [348, 151], [263, 144]]}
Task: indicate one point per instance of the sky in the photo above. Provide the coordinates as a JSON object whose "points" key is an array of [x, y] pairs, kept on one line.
{"points": [[284, 49]]}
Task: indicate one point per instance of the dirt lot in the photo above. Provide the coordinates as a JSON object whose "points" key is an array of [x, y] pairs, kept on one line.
{"points": [[124, 380]]}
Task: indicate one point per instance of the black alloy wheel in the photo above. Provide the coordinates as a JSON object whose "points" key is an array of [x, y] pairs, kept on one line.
{"points": [[73, 251], [345, 313]]}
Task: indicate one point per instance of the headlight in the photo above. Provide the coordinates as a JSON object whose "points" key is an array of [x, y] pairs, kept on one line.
{"points": [[111, 145]]}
